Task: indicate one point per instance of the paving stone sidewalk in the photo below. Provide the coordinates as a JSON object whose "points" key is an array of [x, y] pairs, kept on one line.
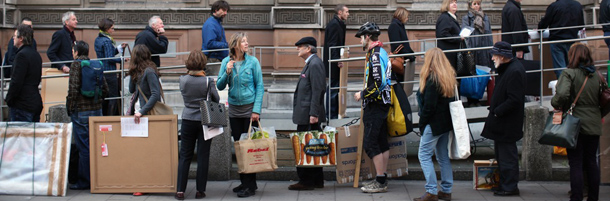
{"points": [[277, 190]]}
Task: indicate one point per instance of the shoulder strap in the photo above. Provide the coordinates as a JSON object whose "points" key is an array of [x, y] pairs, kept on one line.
{"points": [[142, 93], [602, 79], [578, 95]]}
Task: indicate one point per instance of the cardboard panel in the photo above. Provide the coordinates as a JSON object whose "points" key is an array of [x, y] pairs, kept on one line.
{"points": [[134, 164]]}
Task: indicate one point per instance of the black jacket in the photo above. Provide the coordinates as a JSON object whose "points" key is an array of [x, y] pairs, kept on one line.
{"points": [[309, 94], [447, 26], [155, 43], [513, 20], [434, 109], [23, 92], [9, 56], [334, 35], [563, 13], [396, 32], [506, 110], [604, 14], [60, 48]]}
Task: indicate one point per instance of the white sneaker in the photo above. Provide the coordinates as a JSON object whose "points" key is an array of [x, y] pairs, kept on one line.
{"points": [[375, 187]]}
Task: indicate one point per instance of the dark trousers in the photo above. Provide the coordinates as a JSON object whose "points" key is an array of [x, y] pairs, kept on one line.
{"points": [[333, 108], [80, 129], [310, 176], [375, 129], [239, 126], [111, 107], [584, 157], [191, 134], [508, 163], [16, 114]]}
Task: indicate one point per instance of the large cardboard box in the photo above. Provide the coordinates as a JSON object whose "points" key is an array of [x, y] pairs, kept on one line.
{"points": [[34, 158], [347, 140], [485, 174], [134, 164], [347, 147], [53, 90]]}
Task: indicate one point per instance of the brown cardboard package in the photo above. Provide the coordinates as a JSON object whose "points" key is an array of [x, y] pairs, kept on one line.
{"points": [[347, 147], [134, 164], [35, 158], [397, 164]]}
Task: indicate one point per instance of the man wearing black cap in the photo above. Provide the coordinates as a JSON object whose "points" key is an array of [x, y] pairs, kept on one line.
{"points": [[308, 107], [376, 103], [505, 120]]}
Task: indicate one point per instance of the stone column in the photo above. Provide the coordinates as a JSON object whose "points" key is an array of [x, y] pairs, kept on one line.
{"points": [[220, 156], [536, 158]]}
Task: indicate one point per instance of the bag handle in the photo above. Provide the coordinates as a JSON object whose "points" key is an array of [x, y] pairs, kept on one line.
{"points": [[602, 79], [578, 95], [250, 130], [128, 49], [457, 95], [146, 99]]}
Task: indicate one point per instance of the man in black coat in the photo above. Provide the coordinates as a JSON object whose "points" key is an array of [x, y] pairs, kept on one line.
{"points": [[512, 21], [504, 124], [562, 13], [308, 107], [334, 35], [23, 97], [60, 48], [11, 51], [152, 36]]}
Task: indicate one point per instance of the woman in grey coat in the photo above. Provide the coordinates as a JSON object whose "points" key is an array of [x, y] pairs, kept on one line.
{"points": [[477, 20]]}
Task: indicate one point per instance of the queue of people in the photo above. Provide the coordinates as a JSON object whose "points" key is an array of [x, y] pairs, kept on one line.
{"points": [[240, 73]]}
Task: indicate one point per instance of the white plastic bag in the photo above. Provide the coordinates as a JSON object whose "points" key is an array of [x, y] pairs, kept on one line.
{"points": [[459, 141]]}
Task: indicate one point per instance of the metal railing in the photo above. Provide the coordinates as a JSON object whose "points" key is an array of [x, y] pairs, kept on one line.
{"points": [[259, 50]]}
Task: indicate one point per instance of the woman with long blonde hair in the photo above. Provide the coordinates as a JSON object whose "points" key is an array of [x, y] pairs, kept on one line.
{"points": [[437, 89]]}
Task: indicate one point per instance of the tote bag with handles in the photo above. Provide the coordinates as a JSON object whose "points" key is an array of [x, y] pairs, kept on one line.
{"points": [[258, 155], [160, 108], [459, 141], [564, 134], [212, 113]]}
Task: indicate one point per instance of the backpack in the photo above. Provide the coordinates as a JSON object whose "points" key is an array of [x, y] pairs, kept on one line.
{"points": [[91, 78]]}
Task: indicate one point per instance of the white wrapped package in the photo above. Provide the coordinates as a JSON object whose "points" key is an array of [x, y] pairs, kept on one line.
{"points": [[34, 158]]}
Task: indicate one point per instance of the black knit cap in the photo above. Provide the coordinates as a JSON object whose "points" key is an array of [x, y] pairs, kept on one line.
{"points": [[307, 40], [503, 49]]}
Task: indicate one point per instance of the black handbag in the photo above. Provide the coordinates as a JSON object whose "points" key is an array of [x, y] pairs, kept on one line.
{"points": [[212, 113], [466, 65], [566, 133]]}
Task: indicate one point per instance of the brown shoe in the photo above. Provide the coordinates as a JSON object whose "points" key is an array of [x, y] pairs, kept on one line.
{"points": [[444, 196], [427, 197], [179, 196], [299, 187]]}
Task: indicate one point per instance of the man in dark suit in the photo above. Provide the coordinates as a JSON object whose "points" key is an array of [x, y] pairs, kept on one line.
{"points": [[152, 36], [504, 124], [308, 109], [23, 97], [11, 50], [513, 20], [334, 35], [60, 48]]}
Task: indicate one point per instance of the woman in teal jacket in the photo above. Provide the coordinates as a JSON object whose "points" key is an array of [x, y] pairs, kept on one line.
{"points": [[242, 73]]}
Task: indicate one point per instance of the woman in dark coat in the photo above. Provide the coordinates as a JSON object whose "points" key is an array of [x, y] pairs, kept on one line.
{"points": [[448, 26], [479, 22], [584, 156], [396, 32]]}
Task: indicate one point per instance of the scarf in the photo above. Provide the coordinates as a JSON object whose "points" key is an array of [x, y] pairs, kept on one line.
{"points": [[196, 73], [588, 69], [375, 44], [479, 23], [108, 36]]}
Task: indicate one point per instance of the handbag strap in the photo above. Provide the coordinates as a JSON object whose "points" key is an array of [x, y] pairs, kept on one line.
{"points": [[146, 99], [398, 49], [602, 80], [250, 130], [578, 95]]}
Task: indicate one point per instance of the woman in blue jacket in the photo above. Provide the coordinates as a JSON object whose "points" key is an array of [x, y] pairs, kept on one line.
{"points": [[105, 47], [242, 73]]}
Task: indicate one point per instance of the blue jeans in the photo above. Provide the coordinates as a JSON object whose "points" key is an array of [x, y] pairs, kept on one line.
{"points": [[428, 145], [22, 115], [80, 129], [559, 53]]}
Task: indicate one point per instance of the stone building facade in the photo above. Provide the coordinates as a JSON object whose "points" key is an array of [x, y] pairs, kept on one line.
{"points": [[268, 22]]}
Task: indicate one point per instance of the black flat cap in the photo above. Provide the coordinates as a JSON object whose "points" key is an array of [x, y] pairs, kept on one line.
{"points": [[503, 49], [307, 40]]}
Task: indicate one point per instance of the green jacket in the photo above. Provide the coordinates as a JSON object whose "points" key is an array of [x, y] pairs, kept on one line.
{"points": [[587, 106]]}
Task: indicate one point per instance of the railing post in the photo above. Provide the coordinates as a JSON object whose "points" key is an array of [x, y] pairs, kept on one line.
{"points": [[541, 66], [122, 85]]}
